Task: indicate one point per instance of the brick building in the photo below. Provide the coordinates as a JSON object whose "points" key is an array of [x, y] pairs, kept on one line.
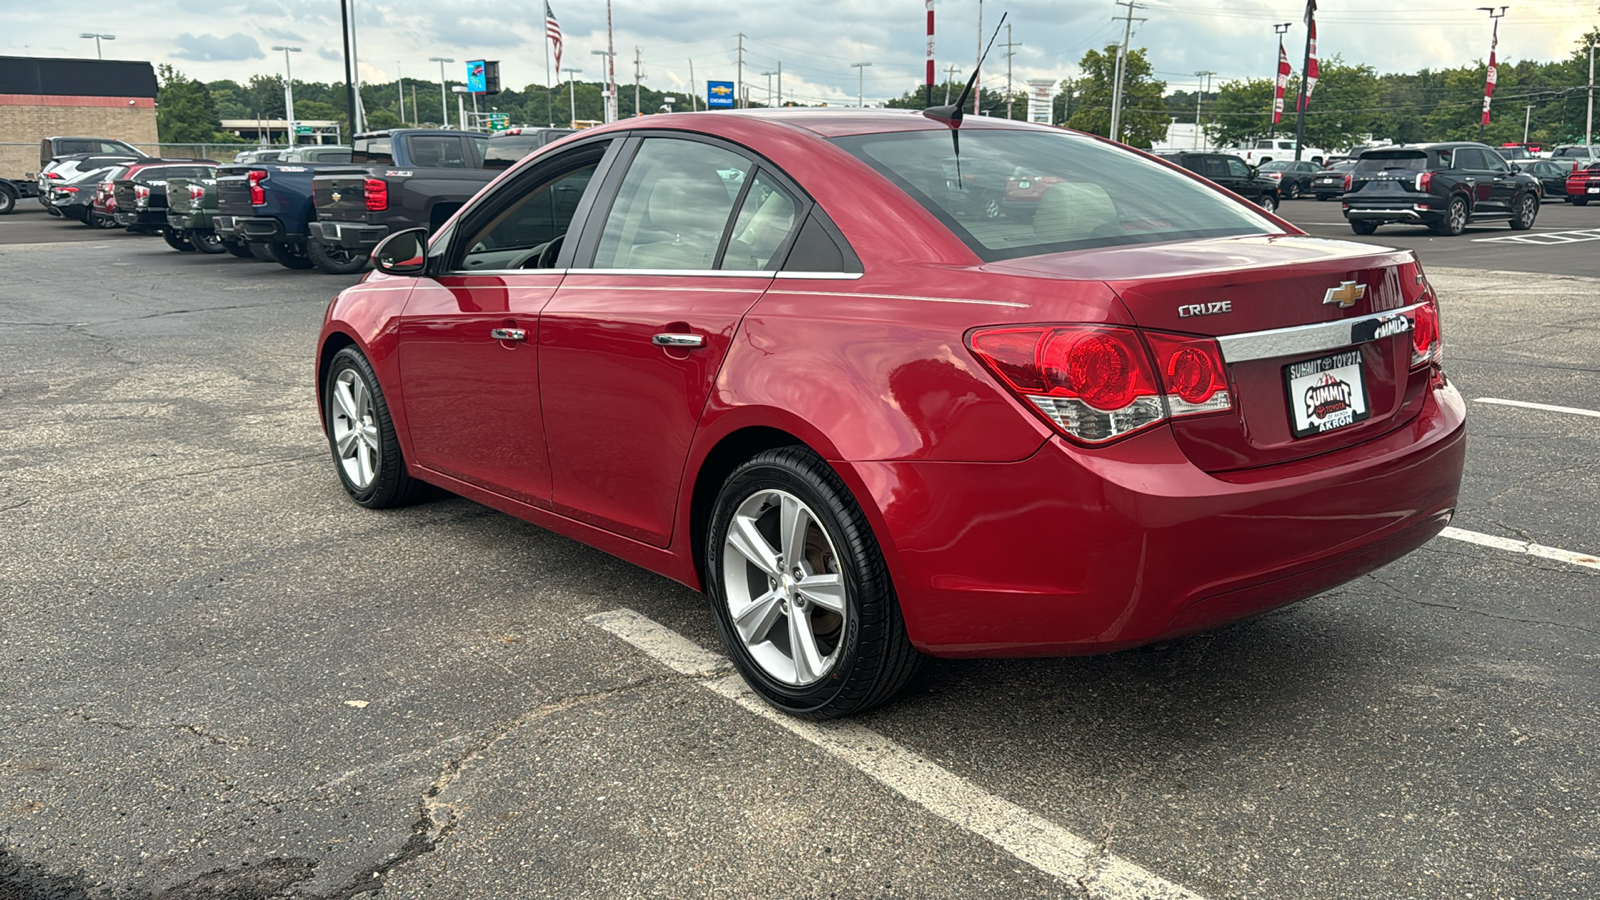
{"points": [[95, 98]]}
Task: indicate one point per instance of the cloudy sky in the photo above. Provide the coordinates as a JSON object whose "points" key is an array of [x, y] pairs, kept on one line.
{"points": [[815, 42]]}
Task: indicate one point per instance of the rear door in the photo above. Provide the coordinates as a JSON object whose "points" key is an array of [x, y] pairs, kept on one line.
{"points": [[632, 342], [1485, 183]]}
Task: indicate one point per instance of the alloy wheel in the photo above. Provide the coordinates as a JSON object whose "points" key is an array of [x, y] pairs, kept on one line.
{"points": [[355, 429], [785, 592]]}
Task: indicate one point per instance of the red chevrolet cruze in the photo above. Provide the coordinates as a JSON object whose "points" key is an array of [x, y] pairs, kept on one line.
{"points": [[788, 358]]}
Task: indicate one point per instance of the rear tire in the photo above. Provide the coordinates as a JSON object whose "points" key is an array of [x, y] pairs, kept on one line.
{"points": [[1455, 218], [1268, 202], [205, 241], [1578, 201], [238, 248], [1364, 227], [361, 435], [1527, 210], [176, 240], [335, 260], [8, 201], [833, 598], [1293, 193], [290, 256]]}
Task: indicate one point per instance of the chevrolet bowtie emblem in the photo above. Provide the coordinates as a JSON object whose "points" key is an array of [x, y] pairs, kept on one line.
{"points": [[336, 197], [1346, 294]]}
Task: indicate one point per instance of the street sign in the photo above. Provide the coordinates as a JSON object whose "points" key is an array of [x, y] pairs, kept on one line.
{"points": [[302, 129], [476, 83], [499, 121], [719, 95]]}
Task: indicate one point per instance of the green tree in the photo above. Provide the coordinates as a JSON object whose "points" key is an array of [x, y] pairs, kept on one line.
{"points": [[1143, 118], [1243, 112], [185, 113], [1345, 108]]}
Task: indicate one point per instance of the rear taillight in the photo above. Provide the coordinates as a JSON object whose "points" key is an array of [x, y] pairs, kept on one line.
{"points": [[377, 191], [1096, 383], [141, 195], [1424, 181], [57, 175], [66, 189], [1347, 182], [1427, 343], [197, 192], [258, 194]]}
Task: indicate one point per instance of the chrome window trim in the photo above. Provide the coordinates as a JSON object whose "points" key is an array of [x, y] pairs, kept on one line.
{"points": [[824, 276], [1299, 339], [697, 273], [503, 272]]}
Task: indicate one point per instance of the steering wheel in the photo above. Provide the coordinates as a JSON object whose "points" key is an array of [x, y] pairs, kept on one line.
{"points": [[542, 256], [547, 256]]}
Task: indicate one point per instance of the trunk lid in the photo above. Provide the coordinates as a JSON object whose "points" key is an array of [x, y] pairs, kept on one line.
{"points": [[233, 191], [1234, 289]]}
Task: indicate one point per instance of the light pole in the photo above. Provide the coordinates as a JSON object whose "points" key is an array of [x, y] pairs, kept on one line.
{"points": [[444, 111], [861, 71], [1527, 117], [101, 37], [572, 93], [461, 105], [606, 105], [1492, 75], [769, 86], [1588, 122], [288, 92], [1197, 98]]}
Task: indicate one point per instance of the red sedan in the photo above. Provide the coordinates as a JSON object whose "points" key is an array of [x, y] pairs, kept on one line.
{"points": [[780, 358]]}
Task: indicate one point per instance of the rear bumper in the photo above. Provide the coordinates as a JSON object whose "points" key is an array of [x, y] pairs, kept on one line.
{"points": [[1414, 213], [261, 229], [189, 221], [143, 218], [352, 235], [1073, 552]]}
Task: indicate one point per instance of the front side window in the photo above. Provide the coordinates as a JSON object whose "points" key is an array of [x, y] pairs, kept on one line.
{"points": [[1237, 168], [527, 234], [1101, 195], [672, 208]]}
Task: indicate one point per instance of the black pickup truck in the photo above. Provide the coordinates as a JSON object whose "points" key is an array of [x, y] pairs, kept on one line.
{"points": [[409, 179], [268, 205]]}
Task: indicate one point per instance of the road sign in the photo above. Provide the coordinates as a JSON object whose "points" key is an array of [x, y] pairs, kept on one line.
{"points": [[476, 83], [302, 129], [719, 95], [499, 121]]}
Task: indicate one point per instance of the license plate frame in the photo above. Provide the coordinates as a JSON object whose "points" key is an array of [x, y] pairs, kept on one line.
{"points": [[1326, 394]]}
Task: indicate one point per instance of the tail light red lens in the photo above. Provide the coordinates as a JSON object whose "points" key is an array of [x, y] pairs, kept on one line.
{"points": [[1348, 181], [377, 192], [258, 194], [1097, 383], [197, 192], [1427, 343], [141, 195], [57, 175], [1424, 181]]}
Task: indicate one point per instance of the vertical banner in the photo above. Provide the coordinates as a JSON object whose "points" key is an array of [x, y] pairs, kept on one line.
{"points": [[1488, 85], [1312, 69], [1041, 99], [930, 52], [1283, 83]]}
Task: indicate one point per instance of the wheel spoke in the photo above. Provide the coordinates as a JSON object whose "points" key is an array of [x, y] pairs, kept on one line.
{"points": [[358, 397], [745, 538], [826, 591], [348, 443], [368, 464], [343, 399], [803, 646], [793, 522], [369, 435], [756, 619]]}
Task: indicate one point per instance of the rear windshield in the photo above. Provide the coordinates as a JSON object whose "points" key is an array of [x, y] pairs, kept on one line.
{"points": [[1414, 161], [438, 151], [504, 151], [1570, 151], [374, 150], [1008, 194]]}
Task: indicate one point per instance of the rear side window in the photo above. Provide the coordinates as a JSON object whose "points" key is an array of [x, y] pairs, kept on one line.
{"points": [[438, 151], [1394, 161], [672, 208], [1008, 193], [375, 151]]}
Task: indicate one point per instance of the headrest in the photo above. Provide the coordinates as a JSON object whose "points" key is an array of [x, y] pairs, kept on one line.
{"points": [[1072, 211]]}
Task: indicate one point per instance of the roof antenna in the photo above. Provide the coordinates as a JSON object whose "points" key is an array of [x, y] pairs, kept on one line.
{"points": [[952, 113]]}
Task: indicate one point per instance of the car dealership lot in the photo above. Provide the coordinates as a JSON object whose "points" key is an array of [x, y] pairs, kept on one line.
{"points": [[222, 675]]}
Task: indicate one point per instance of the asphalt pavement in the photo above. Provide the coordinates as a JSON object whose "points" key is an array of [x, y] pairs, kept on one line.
{"points": [[223, 679]]}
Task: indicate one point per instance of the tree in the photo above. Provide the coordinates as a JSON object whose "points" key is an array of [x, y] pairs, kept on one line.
{"points": [[185, 113], [1344, 111], [1243, 112], [1143, 118]]}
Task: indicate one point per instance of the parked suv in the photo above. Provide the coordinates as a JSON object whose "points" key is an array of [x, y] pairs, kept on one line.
{"points": [[1443, 186], [52, 148], [1232, 173]]}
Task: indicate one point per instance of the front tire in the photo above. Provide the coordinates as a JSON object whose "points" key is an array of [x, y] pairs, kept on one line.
{"points": [[290, 256], [1293, 192], [205, 241], [8, 200], [361, 435], [1578, 201], [1268, 202], [1527, 211], [335, 260], [800, 590]]}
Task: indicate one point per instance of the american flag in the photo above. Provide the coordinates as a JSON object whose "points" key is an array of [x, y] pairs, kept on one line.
{"points": [[552, 30]]}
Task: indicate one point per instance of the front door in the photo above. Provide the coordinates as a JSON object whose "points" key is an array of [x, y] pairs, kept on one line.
{"points": [[630, 347]]}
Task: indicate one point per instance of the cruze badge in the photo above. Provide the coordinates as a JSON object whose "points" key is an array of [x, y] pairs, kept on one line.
{"points": [[1346, 294], [1205, 309]]}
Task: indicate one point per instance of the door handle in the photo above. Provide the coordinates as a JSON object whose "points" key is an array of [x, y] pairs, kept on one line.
{"points": [[509, 334], [678, 340]]}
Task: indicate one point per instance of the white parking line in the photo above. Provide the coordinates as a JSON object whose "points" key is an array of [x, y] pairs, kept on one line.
{"points": [[1514, 546], [1544, 237], [1572, 410], [1039, 843]]}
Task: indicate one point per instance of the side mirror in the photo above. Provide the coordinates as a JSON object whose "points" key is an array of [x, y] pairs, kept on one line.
{"points": [[1516, 167], [402, 253]]}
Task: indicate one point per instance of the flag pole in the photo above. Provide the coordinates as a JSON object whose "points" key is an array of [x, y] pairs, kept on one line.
{"points": [[1300, 118], [549, 89]]}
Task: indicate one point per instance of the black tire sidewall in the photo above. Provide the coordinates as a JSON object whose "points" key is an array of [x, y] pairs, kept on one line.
{"points": [[869, 593], [392, 486], [289, 255], [206, 241], [8, 201], [326, 262]]}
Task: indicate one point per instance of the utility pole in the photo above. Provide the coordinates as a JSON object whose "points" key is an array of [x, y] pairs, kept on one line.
{"points": [[637, 72], [1198, 97], [739, 79], [400, 93], [1588, 123], [444, 90], [861, 71], [1527, 118], [349, 82], [1010, 52], [977, 66], [769, 86], [1304, 100], [780, 82], [1122, 65], [951, 76]]}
